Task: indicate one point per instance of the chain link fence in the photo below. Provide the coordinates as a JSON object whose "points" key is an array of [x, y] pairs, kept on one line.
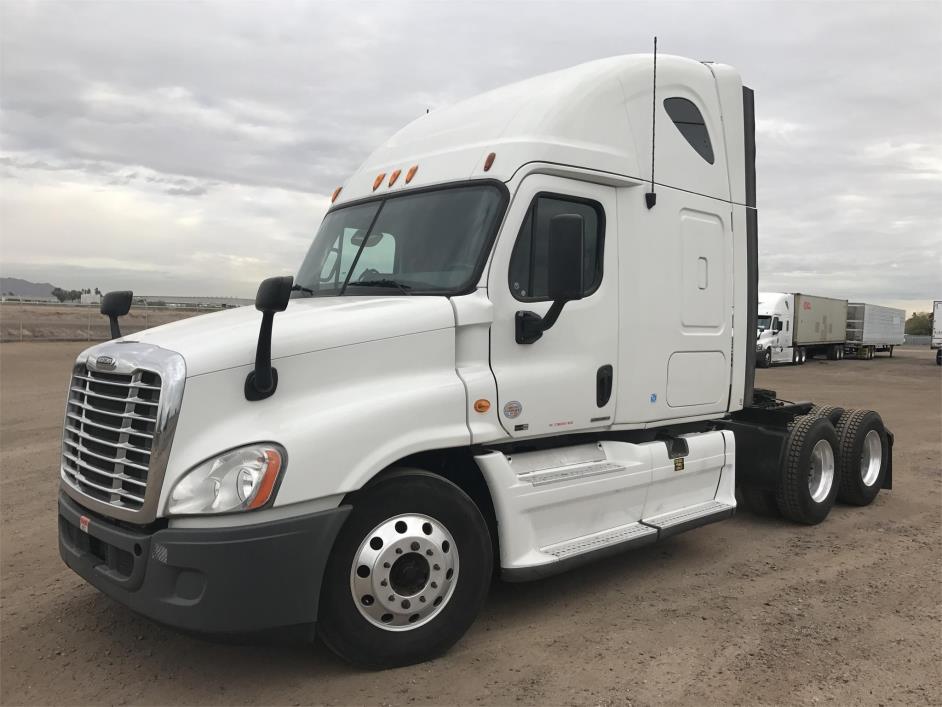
{"points": [[64, 322]]}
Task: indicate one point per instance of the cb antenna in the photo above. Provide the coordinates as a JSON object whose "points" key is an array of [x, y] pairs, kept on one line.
{"points": [[650, 199]]}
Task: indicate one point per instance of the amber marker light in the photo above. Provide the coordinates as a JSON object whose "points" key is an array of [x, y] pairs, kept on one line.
{"points": [[411, 173], [333, 197], [394, 176], [272, 468], [379, 180], [482, 405], [489, 160]]}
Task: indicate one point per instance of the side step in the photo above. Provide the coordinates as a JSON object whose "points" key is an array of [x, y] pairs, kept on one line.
{"points": [[589, 548], [688, 518]]}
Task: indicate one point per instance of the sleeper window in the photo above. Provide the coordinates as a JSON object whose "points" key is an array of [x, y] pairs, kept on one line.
{"points": [[689, 122], [528, 263]]}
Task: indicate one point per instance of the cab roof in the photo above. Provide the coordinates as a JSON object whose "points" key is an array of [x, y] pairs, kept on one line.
{"points": [[595, 116]]}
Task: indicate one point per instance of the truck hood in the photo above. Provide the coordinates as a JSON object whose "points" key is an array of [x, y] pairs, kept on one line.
{"points": [[213, 342]]}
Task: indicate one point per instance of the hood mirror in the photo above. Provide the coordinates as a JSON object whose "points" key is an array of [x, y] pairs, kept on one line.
{"points": [[272, 297], [116, 304]]}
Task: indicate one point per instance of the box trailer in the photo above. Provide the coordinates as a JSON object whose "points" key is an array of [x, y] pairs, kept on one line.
{"points": [[508, 350], [795, 327], [872, 328]]}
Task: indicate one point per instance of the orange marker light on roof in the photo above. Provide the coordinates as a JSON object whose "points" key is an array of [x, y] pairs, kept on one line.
{"points": [[379, 180], [333, 197], [394, 176], [489, 160], [411, 173]]}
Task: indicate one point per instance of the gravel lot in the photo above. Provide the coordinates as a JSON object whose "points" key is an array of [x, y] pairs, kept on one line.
{"points": [[748, 611]]}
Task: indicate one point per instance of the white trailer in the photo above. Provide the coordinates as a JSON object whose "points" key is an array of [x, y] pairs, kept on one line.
{"points": [[795, 327], [510, 349], [872, 328]]}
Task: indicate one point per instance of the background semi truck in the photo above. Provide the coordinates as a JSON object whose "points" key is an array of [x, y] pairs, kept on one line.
{"points": [[454, 385], [795, 327]]}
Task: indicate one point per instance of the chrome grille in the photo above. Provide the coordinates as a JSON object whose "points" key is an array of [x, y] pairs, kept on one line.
{"points": [[111, 422]]}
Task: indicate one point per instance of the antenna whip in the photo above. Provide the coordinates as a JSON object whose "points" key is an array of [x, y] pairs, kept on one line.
{"points": [[651, 198]]}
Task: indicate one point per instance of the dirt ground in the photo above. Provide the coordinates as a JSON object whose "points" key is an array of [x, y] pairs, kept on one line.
{"points": [[748, 611]]}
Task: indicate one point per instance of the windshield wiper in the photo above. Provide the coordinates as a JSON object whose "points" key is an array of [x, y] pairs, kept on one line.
{"points": [[385, 282], [302, 288]]}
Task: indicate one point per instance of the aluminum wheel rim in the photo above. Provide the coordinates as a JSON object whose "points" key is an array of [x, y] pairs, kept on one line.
{"points": [[404, 572], [871, 458], [821, 473]]}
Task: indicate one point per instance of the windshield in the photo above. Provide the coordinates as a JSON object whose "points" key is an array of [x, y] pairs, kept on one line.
{"points": [[430, 242], [765, 321]]}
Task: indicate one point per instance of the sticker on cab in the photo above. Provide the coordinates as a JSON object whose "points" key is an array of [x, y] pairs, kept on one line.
{"points": [[513, 409]]}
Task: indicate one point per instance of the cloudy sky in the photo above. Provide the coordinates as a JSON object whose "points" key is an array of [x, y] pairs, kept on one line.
{"points": [[184, 148]]}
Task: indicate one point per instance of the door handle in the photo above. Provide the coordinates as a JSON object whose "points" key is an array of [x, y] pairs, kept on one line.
{"points": [[603, 385]]}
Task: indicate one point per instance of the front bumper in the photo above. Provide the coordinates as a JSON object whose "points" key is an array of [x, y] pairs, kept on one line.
{"points": [[214, 580]]}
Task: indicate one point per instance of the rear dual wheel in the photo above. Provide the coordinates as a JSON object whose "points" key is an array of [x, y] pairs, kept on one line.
{"points": [[808, 484], [864, 456], [408, 573]]}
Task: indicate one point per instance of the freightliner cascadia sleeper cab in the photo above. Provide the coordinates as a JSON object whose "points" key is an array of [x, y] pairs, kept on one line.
{"points": [[508, 351]]}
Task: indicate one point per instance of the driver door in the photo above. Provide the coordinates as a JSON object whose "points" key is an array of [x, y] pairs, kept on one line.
{"points": [[566, 381]]}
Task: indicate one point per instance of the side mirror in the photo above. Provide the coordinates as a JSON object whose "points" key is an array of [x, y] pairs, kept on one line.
{"points": [[272, 297], [565, 267], [116, 304], [565, 257]]}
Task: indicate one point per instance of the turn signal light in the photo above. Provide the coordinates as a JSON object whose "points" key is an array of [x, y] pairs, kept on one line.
{"points": [[336, 193], [267, 485], [379, 180], [394, 176], [489, 160], [482, 405], [411, 173]]}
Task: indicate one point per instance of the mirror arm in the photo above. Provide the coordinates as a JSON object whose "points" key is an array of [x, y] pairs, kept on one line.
{"points": [[115, 329], [261, 382], [529, 326]]}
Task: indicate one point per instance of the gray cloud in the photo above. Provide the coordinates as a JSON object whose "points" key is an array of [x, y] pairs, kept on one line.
{"points": [[199, 141]]}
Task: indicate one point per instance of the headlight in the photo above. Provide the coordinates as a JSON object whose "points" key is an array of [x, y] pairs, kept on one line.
{"points": [[238, 480]]}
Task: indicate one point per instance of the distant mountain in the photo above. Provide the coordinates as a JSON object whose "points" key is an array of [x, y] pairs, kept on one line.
{"points": [[25, 288]]}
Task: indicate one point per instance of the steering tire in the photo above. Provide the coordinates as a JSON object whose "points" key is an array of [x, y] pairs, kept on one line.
{"points": [[408, 573]]}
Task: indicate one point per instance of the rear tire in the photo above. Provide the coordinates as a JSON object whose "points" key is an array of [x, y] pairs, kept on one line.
{"points": [[803, 354], [405, 518], [808, 484], [831, 412], [864, 455]]}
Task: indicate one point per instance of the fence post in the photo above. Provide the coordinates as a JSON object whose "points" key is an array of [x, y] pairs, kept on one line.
{"points": [[21, 329], [88, 327]]}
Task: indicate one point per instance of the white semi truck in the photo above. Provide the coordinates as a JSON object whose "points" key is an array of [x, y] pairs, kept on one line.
{"points": [[510, 349], [936, 341], [791, 328]]}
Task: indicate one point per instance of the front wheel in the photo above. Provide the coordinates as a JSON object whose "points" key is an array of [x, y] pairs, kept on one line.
{"points": [[408, 574], [766, 360]]}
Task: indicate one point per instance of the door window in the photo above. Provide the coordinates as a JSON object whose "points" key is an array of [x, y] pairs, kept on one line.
{"points": [[529, 261]]}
